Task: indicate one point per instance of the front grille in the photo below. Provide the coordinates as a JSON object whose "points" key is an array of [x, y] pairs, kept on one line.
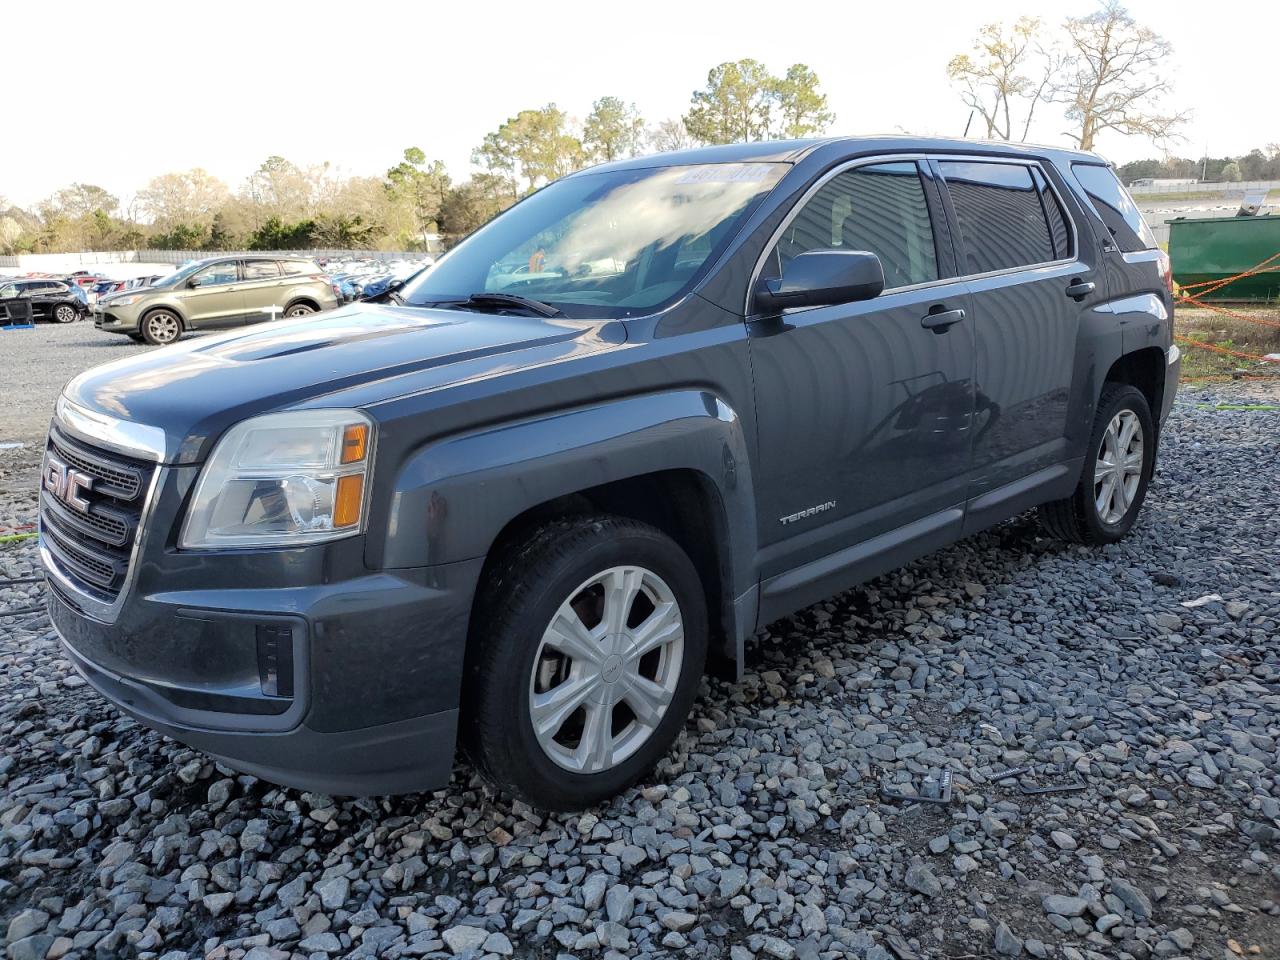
{"points": [[93, 546]]}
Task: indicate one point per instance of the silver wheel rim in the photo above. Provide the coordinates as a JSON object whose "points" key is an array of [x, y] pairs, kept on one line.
{"points": [[606, 669], [163, 327], [65, 314], [300, 312], [1118, 470]]}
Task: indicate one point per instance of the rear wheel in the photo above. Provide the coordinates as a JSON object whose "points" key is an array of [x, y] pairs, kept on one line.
{"points": [[589, 642], [65, 313], [300, 310], [160, 327], [1117, 470]]}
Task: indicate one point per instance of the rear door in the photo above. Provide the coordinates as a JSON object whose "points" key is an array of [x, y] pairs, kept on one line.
{"points": [[263, 290], [1030, 286], [213, 298]]}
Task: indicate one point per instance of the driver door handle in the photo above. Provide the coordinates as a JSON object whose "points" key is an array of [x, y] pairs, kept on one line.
{"points": [[1079, 289], [939, 319]]}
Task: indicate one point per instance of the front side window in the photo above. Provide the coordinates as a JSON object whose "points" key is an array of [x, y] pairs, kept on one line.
{"points": [[217, 274], [879, 208], [610, 244], [261, 270], [1113, 204], [1002, 221]]}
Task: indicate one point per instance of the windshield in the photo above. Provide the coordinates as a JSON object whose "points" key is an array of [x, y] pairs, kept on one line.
{"points": [[614, 244], [179, 275]]}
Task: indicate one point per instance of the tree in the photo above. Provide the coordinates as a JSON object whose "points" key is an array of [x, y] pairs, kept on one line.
{"points": [[1231, 172], [1116, 78], [470, 205], [670, 135], [193, 196], [612, 130], [996, 74], [278, 188], [530, 150], [422, 187], [275, 234], [736, 106], [802, 110], [81, 200]]}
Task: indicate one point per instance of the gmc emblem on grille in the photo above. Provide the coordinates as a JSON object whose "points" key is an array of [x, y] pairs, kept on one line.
{"points": [[66, 483]]}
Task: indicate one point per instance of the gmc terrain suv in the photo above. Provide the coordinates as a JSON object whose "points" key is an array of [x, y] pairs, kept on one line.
{"points": [[216, 293], [646, 411]]}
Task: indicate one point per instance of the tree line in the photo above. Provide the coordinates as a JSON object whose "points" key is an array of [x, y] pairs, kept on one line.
{"points": [[283, 205], [1260, 163], [1106, 72]]}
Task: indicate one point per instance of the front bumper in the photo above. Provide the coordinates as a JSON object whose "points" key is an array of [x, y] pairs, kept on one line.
{"points": [[116, 319], [350, 687]]}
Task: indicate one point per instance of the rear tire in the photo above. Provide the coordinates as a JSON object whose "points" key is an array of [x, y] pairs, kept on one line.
{"points": [[160, 327], [299, 310], [66, 313], [1116, 472], [598, 627]]}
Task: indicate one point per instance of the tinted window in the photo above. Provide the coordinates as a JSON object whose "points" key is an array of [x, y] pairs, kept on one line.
{"points": [[218, 273], [615, 243], [1002, 222], [1058, 229], [292, 267], [879, 208], [261, 270], [56, 288], [1113, 204]]}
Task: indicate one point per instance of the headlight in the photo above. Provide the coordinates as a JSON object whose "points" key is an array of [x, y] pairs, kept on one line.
{"points": [[281, 480], [121, 301]]}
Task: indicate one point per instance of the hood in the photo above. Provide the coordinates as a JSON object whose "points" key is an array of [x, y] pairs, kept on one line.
{"points": [[195, 390]]}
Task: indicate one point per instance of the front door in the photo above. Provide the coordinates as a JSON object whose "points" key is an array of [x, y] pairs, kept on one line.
{"points": [[214, 298], [864, 408]]}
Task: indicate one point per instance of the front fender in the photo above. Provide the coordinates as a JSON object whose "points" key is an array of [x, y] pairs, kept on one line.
{"points": [[452, 497]]}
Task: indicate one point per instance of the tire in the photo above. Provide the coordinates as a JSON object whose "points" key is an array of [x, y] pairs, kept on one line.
{"points": [[299, 310], [160, 327], [1079, 518], [66, 313], [557, 578]]}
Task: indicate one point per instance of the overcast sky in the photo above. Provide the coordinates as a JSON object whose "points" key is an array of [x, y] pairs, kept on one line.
{"points": [[144, 88]]}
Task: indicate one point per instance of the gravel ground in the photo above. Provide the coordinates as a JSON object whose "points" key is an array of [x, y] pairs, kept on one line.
{"points": [[764, 833]]}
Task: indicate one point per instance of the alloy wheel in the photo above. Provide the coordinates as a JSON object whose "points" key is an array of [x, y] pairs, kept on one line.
{"points": [[1117, 472], [65, 314], [163, 327], [606, 669], [301, 310]]}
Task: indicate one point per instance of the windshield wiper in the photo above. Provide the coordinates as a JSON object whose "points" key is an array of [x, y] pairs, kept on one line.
{"points": [[482, 300]]}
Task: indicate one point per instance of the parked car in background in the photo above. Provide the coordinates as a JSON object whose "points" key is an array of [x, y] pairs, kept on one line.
{"points": [[215, 293], [49, 299]]}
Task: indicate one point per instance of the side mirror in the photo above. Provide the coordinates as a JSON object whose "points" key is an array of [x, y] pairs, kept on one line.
{"points": [[820, 278]]}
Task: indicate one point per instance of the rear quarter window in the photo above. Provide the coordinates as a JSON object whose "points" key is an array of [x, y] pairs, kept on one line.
{"points": [[1112, 203], [293, 267]]}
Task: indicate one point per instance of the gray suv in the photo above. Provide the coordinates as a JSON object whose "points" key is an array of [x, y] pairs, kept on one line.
{"points": [[216, 293], [524, 503]]}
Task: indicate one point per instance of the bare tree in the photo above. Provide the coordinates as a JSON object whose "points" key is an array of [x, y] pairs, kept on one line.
{"points": [[1116, 77], [992, 76]]}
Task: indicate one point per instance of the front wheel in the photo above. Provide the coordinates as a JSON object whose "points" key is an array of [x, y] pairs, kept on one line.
{"points": [[160, 327], [1117, 470], [590, 639], [65, 313]]}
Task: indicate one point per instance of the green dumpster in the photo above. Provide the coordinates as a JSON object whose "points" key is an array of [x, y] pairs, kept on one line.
{"points": [[1219, 247]]}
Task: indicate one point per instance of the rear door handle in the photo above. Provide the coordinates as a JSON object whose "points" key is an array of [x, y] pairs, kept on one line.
{"points": [[940, 319], [1079, 289]]}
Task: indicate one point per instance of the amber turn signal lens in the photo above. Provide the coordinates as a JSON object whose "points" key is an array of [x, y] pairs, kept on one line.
{"points": [[355, 443], [346, 507]]}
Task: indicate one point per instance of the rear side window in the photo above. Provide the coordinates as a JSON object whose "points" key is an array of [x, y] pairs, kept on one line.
{"points": [[292, 267], [260, 270], [1111, 201], [1002, 220], [880, 208]]}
